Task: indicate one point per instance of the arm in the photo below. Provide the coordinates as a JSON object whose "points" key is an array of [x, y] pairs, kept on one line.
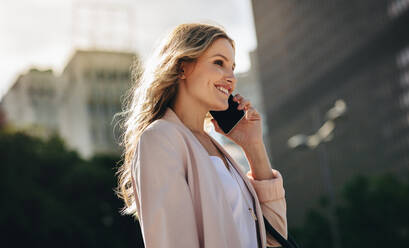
{"points": [[271, 196], [268, 184], [165, 206]]}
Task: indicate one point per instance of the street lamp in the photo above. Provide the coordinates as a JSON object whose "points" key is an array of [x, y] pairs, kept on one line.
{"points": [[339, 110], [322, 135]]}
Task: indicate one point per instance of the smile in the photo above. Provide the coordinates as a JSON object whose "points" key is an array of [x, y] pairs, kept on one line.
{"points": [[223, 90]]}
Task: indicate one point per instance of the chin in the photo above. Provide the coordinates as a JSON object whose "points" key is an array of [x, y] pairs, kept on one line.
{"points": [[226, 105], [220, 107]]}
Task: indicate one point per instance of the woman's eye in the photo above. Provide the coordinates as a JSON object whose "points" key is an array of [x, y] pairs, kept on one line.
{"points": [[219, 62]]}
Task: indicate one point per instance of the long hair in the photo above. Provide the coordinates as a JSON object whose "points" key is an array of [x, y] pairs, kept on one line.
{"points": [[154, 89]]}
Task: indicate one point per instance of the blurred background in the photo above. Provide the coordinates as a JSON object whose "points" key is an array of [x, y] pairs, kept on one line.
{"points": [[330, 78]]}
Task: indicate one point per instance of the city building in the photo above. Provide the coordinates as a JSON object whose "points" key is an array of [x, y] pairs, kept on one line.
{"points": [[313, 53], [31, 103], [79, 105], [93, 85]]}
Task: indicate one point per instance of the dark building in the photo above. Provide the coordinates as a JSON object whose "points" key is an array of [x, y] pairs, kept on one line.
{"points": [[312, 53]]}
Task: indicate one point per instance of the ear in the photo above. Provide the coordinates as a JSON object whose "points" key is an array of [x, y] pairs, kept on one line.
{"points": [[185, 68], [182, 70], [182, 74]]}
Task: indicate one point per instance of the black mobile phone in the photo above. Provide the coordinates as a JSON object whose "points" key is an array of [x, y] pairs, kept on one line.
{"points": [[228, 119]]}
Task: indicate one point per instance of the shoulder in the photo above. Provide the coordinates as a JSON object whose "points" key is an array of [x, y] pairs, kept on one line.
{"points": [[163, 131], [162, 143], [163, 127]]}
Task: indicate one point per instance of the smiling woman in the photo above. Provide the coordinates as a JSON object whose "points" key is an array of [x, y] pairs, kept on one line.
{"points": [[207, 81], [170, 179]]}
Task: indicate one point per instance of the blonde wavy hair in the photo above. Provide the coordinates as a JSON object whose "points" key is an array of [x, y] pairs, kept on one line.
{"points": [[154, 90]]}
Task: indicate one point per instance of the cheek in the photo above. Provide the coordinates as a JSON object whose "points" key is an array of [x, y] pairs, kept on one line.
{"points": [[206, 77], [218, 71], [213, 74]]}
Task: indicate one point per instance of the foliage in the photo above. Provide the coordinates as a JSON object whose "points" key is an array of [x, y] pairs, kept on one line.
{"points": [[373, 213], [52, 197]]}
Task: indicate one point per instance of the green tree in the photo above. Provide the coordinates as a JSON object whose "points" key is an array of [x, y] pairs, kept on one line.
{"points": [[316, 231], [373, 213], [51, 197]]}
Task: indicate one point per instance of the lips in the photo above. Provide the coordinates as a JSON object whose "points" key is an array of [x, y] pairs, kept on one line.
{"points": [[224, 89]]}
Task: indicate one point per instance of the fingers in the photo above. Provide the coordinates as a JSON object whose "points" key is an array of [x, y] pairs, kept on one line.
{"points": [[243, 103], [252, 114], [216, 126]]}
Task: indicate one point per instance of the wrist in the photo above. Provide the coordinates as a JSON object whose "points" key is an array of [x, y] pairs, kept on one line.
{"points": [[252, 147], [259, 162]]}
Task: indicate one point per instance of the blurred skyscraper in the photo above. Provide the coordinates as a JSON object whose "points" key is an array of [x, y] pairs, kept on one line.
{"points": [[312, 53], [79, 105], [93, 85], [103, 25], [31, 103]]}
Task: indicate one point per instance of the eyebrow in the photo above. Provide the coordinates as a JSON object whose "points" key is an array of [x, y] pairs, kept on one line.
{"points": [[221, 55]]}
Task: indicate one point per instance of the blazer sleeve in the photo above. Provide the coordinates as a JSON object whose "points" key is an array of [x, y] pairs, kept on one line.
{"points": [[164, 203], [271, 195]]}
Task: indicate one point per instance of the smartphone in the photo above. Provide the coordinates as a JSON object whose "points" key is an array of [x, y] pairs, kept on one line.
{"points": [[228, 119]]}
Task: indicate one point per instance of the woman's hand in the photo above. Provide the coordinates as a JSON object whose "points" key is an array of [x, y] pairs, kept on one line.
{"points": [[248, 134], [249, 130]]}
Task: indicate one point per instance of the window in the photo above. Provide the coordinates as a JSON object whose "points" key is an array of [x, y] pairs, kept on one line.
{"points": [[397, 7]]}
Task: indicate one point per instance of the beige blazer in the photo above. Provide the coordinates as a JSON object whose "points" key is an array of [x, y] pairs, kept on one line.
{"points": [[179, 196]]}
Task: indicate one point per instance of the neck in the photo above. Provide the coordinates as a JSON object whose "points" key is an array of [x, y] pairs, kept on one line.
{"points": [[191, 113]]}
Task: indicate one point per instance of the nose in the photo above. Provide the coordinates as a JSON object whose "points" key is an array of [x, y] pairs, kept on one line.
{"points": [[231, 78]]}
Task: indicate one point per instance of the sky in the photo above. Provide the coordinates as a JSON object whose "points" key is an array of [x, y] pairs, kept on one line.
{"points": [[45, 33]]}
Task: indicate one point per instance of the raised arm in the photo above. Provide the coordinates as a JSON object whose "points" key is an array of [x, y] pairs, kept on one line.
{"points": [[268, 184]]}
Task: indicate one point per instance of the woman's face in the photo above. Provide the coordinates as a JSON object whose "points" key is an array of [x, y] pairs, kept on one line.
{"points": [[210, 80]]}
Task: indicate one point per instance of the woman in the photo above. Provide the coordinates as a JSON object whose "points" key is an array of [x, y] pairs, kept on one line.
{"points": [[183, 186]]}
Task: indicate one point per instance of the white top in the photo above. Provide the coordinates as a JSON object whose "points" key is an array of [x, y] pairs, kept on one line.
{"points": [[245, 223]]}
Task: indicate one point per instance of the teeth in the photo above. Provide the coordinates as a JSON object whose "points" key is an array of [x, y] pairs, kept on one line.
{"points": [[225, 91]]}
